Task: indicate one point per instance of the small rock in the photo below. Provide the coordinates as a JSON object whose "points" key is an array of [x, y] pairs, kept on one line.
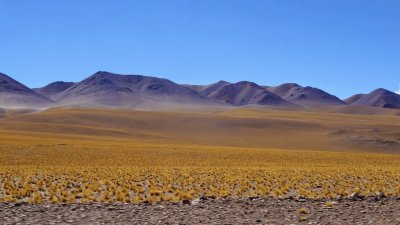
{"points": [[356, 196], [186, 202], [195, 201], [19, 204], [203, 198], [111, 208], [379, 196], [302, 200], [303, 218]]}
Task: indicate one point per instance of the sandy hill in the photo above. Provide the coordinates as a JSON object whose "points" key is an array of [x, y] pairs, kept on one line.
{"points": [[16, 95], [131, 91], [54, 88], [247, 93], [377, 98], [366, 110], [233, 127], [305, 96]]}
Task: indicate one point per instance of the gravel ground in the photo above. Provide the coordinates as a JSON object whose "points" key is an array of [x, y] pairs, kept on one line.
{"points": [[209, 211]]}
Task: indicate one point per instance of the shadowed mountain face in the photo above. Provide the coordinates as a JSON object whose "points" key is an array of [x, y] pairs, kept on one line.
{"points": [[116, 90], [16, 95], [353, 98], [247, 93], [377, 98], [213, 88], [282, 90], [197, 88], [207, 90], [54, 88], [305, 96]]}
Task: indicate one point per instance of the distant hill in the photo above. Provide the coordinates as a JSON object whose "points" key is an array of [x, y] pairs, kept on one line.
{"points": [[305, 96], [366, 110], [246, 93], [207, 90], [131, 91], [282, 90], [197, 88], [105, 89], [377, 98], [353, 98], [54, 88], [16, 95], [213, 88]]}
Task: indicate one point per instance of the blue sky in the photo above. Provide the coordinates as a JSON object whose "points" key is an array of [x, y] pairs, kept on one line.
{"points": [[341, 46]]}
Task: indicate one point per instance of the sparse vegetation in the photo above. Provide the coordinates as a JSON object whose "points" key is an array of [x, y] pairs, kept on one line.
{"points": [[85, 156], [90, 172]]}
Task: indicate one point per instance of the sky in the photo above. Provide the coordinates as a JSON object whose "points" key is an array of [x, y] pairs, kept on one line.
{"points": [[341, 46]]}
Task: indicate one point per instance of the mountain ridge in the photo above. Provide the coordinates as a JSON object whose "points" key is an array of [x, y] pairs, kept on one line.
{"points": [[247, 93], [115, 90], [106, 89], [377, 98], [14, 94], [53, 88], [305, 96]]}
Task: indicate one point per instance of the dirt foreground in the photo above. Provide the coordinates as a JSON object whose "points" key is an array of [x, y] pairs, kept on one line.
{"points": [[210, 211]]}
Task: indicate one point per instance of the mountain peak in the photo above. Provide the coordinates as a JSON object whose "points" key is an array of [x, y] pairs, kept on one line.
{"points": [[212, 88], [306, 96], [381, 91], [16, 95], [247, 93], [8, 84], [127, 91], [222, 82], [53, 88], [378, 98]]}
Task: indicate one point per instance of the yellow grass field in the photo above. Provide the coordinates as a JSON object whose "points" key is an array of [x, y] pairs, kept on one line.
{"points": [[87, 155]]}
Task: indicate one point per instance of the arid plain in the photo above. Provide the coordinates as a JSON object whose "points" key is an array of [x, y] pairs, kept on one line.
{"points": [[109, 156]]}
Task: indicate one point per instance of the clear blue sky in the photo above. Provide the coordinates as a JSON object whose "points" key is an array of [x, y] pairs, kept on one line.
{"points": [[341, 46]]}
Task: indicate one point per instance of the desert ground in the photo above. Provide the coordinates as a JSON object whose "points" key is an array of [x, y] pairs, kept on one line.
{"points": [[214, 166]]}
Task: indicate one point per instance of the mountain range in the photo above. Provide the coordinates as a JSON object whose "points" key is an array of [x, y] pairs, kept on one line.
{"points": [[105, 89]]}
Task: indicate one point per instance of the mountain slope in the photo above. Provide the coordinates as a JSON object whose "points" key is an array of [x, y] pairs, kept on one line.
{"points": [[130, 91], [305, 96], [247, 93], [53, 88], [207, 90], [377, 98], [213, 88], [16, 95], [353, 98], [197, 88]]}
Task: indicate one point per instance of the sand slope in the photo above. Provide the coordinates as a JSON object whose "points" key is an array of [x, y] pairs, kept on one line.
{"points": [[261, 128]]}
